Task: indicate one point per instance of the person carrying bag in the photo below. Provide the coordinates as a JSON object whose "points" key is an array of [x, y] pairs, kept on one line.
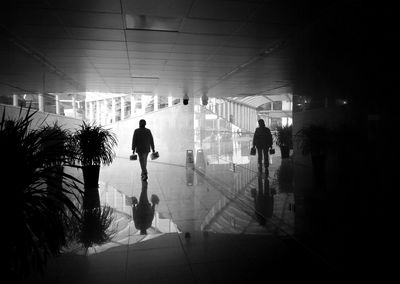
{"points": [[262, 140]]}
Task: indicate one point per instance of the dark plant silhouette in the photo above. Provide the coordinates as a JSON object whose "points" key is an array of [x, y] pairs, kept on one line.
{"points": [[94, 146], [283, 136], [95, 226], [40, 201]]}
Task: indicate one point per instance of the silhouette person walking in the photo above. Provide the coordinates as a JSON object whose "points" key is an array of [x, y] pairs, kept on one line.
{"points": [[143, 212], [142, 141], [262, 140]]}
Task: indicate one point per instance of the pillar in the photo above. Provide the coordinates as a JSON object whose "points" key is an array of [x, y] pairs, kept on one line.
{"points": [[169, 101], [155, 100], [133, 105], [98, 117], [57, 98], [235, 114], [41, 102], [73, 107], [91, 114], [122, 108], [15, 100], [143, 110], [244, 117], [104, 112], [113, 112]]}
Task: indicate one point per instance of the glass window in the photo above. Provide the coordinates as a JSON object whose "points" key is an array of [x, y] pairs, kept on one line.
{"points": [[277, 105]]}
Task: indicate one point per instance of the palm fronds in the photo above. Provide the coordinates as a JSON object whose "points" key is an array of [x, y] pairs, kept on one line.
{"points": [[40, 199], [94, 145], [283, 136], [95, 226]]}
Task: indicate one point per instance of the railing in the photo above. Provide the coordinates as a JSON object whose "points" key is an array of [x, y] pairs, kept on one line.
{"points": [[12, 112]]}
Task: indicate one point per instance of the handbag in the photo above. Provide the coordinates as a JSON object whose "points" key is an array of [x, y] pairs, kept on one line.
{"points": [[133, 157], [154, 155], [253, 151], [272, 151]]}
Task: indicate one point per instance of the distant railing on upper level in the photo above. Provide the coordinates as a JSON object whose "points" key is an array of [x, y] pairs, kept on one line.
{"points": [[40, 118]]}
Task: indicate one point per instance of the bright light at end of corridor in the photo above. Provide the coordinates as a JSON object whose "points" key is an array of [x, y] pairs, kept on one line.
{"points": [[211, 116]]}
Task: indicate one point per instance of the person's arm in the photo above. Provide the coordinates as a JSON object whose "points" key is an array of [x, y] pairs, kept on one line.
{"points": [[152, 142], [254, 138], [134, 138]]}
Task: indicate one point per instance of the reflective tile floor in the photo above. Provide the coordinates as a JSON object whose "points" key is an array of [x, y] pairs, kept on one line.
{"points": [[217, 220]]}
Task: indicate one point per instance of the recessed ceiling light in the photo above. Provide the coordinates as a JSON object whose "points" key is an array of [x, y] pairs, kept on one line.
{"points": [[152, 23]]}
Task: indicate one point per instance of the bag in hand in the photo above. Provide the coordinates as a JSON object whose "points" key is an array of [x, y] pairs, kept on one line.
{"points": [[133, 157], [272, 151], [154, 155], [253, 151]]}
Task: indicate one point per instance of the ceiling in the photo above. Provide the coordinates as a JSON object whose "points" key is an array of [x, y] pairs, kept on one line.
{"points": [[221, 48]]}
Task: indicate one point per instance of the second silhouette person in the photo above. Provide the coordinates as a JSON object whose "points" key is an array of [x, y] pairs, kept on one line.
{"points": [[142, 142]]}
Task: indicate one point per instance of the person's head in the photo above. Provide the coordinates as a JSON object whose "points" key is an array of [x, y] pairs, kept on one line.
{"points": [[261, 123], [142, 123]]}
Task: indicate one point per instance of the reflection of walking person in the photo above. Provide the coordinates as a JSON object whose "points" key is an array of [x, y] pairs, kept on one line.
{"points": [[262, 140], [263, 201], [142, 141], [143, 212]]}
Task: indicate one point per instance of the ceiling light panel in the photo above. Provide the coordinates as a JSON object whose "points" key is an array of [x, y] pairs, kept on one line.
{"points": [[152, 23]]}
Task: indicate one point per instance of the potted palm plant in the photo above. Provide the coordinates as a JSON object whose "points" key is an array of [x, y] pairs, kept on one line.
{"points": [[283, 138], [94, 147], [40, 201]]}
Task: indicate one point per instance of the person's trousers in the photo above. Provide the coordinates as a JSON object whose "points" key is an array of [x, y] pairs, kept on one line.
{"points": [[263, 155], [143, 162]]}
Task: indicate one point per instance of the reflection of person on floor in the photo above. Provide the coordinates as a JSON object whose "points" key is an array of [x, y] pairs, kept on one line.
{"points": [[143, 212], [262, 140], [142, 141], [263, 201]]}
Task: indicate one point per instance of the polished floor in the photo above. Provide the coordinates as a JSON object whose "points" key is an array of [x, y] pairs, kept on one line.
{"points": [[218, 220]]}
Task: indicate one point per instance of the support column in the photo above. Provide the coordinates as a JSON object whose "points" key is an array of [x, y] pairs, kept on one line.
{"points": [[98, 117], [246, 118], [57, 98], [122, 108], [155, 100], [91, 115], [169, 101], [143, 110], [250, 121], [241, 116], [41, 102], [104, 112], [235, 114], [133, 105], [229, 111], [113, 112], [15, 100], [255, 118], [73, 106]]}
